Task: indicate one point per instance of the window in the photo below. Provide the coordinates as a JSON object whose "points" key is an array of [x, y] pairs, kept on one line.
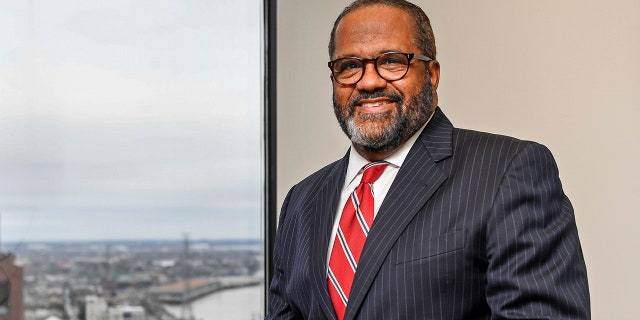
{"points": [[130, 160]]}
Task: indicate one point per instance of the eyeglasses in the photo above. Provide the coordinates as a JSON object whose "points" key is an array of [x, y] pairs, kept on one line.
{"points": [[390, 66]]}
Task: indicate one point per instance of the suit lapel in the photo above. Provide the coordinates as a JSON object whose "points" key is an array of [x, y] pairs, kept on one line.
{"points": [[323, 209], [418, 178]]}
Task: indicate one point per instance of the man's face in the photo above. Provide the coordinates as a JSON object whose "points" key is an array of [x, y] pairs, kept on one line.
{"points": [[376, 114]]}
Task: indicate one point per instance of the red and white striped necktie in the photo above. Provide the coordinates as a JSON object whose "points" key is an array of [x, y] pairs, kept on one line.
{"points": [[355, 222]]}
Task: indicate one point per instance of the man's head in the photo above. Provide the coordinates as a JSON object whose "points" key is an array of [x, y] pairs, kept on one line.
{"points": [[382, 109]]}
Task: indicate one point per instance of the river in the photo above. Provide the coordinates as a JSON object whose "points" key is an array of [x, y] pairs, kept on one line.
{"points": [[244, 303]]}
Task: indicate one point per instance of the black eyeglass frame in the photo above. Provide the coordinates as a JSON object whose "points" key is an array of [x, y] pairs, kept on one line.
{"points": [[364, 61]]}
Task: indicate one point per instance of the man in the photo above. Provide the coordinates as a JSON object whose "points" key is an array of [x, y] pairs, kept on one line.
{"points": [[453, 224]]}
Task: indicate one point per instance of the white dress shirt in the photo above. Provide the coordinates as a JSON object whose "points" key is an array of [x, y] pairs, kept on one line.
{"points": [[379, 188]]}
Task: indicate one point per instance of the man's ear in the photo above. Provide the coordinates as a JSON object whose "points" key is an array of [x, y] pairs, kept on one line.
{"points": [[434, 73]]}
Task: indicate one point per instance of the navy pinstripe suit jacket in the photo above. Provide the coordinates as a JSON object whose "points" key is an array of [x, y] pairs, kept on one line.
{"points": [[475, 226]]}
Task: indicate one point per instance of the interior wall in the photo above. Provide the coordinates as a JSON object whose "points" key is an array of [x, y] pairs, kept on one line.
{"points": [[563, 73]]}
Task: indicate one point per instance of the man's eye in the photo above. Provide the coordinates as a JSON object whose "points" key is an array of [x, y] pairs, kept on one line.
{"points": [[348, 65], [391, 61]]}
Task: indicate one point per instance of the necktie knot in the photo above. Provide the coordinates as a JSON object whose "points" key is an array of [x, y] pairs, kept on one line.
{"points": [[372, 171]]}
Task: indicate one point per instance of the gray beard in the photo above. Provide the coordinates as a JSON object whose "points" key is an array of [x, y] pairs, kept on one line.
{"points": [[403, 125]]}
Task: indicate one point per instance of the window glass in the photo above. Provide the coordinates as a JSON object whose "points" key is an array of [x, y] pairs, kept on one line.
{"points": [[130, 158]]}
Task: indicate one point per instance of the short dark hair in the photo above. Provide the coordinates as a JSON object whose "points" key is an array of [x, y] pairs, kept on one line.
{"points": [[424, 38]]}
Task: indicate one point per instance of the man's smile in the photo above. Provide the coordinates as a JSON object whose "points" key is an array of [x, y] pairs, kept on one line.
{"points": [[377, 105]]}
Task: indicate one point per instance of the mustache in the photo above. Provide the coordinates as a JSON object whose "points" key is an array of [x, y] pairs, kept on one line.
{"points": [[351, 106]]}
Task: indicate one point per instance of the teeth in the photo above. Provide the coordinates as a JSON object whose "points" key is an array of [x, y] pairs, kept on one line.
{"points": [[372, 104]]}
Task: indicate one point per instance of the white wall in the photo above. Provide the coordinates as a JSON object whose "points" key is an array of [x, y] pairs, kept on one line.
{"points": [[563, 73]]}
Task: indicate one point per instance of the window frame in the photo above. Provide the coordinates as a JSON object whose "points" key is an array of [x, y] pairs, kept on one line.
{"points": [[270, 139]]}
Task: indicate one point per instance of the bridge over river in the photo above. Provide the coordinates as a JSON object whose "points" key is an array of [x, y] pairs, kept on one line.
{"points": [[183, 291]]}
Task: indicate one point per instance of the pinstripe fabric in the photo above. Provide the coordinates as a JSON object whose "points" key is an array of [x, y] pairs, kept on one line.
{"points": [[475, 226]]}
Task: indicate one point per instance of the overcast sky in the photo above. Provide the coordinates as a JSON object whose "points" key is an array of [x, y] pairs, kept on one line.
{"points": [[130, 119]]}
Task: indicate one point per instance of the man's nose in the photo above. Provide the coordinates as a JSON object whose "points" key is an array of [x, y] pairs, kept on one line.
{"points": [[370, 80]]}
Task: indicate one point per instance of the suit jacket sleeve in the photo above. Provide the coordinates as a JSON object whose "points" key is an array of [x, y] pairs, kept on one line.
{"points": [[279, 307], [535, 266]]}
